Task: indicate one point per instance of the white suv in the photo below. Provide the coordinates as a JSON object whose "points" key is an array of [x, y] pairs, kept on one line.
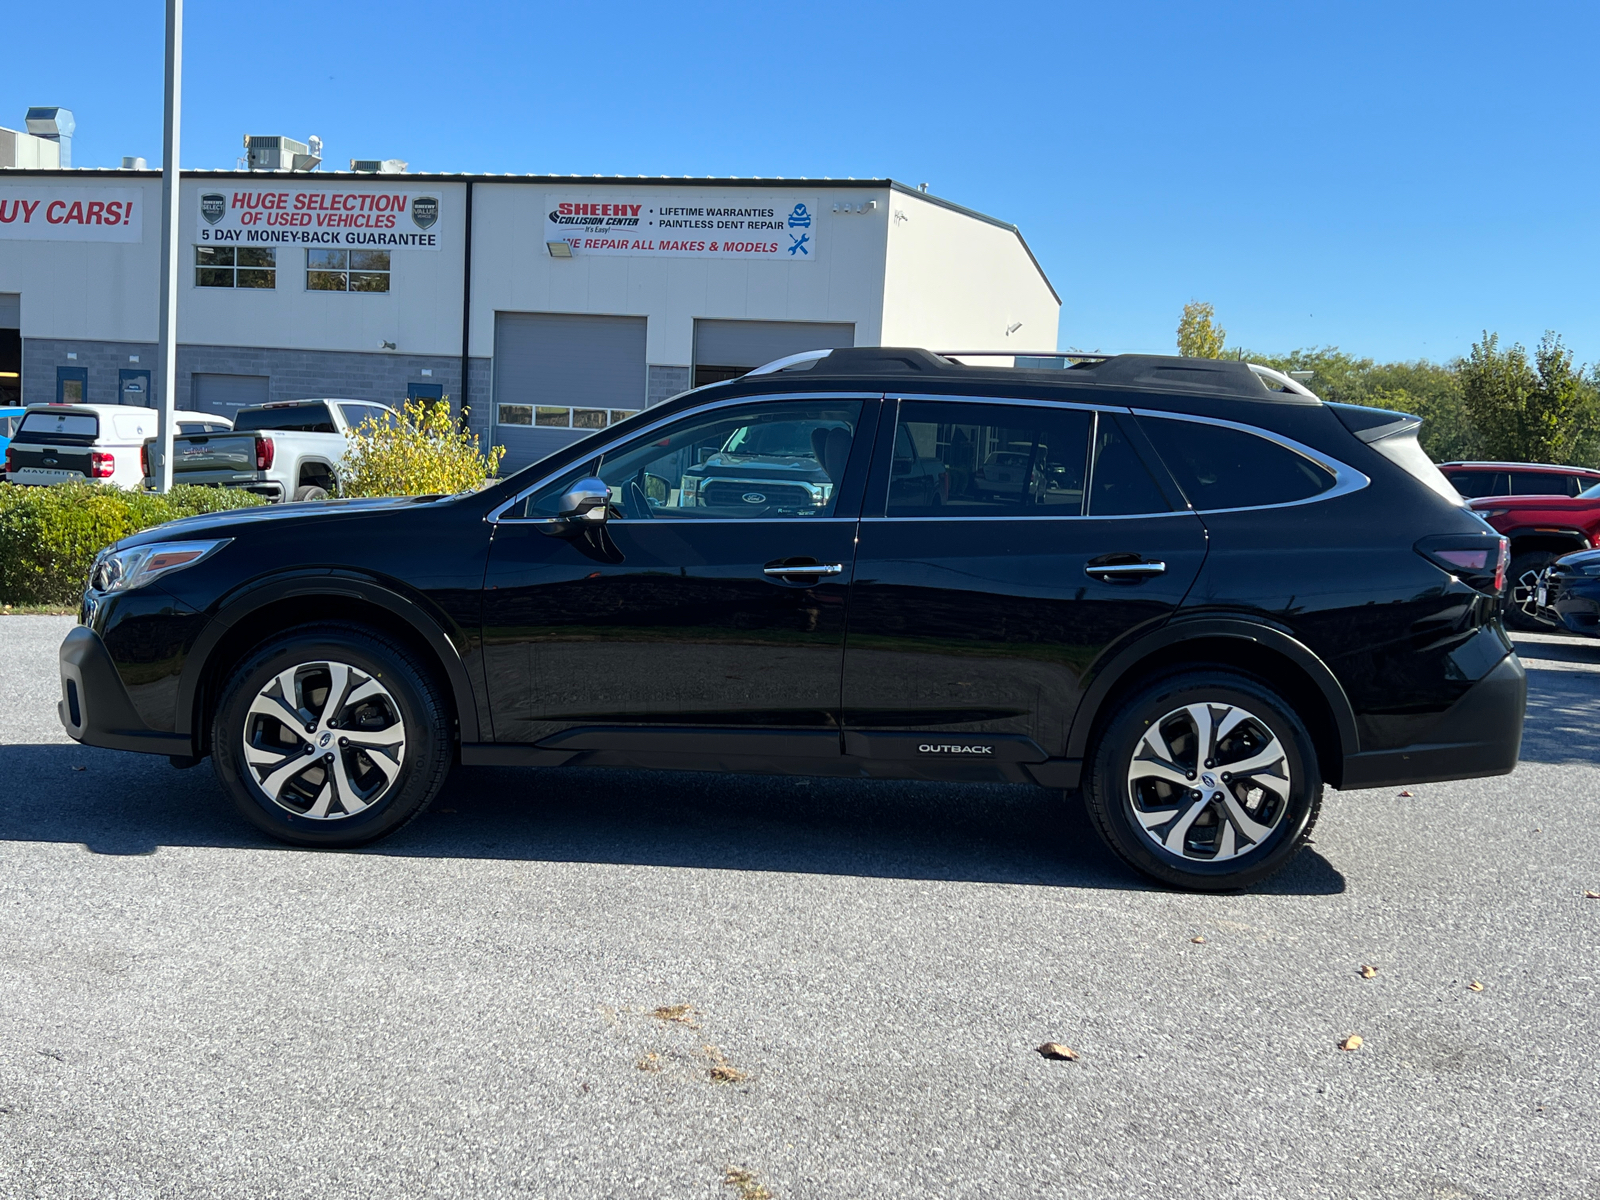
{"points": [[59, 443]]}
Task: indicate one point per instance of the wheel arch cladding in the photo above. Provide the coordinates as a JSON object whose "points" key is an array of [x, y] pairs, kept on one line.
{"points": [[1275, 658], [266, 612]]}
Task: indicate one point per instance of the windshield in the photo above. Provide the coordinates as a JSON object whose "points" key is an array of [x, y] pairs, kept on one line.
{"points": [[293, 418], [776, 439]]}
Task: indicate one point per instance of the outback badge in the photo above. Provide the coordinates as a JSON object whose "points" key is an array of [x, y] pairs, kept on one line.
{"points": [[952, 748]]}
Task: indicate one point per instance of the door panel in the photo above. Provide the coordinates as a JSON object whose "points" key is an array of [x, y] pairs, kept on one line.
{"points": [[985, 624], [693, 603]]}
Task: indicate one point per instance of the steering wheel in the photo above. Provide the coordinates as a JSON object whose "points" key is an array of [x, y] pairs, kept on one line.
{"points": [[638, 499]]}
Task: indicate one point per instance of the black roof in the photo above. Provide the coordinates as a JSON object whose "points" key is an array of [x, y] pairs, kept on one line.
{"points": [[1144, 372]]}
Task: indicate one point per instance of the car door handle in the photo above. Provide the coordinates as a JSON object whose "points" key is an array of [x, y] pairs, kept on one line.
{"points": [[814, 570], [1132, 572]]}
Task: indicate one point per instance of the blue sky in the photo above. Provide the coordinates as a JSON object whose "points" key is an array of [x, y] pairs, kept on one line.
{"points": [[1390, 178]]}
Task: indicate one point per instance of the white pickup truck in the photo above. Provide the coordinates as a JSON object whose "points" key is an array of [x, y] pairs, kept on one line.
{"points": [[288, 450]]}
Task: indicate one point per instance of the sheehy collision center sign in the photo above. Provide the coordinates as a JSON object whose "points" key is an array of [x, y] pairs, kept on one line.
{"points": [[773, 228], [71, 214], [369, 219]]}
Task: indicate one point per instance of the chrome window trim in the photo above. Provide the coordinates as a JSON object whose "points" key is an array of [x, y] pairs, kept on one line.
{"points": [[496, 514], [1346, 479], [993, 517]]}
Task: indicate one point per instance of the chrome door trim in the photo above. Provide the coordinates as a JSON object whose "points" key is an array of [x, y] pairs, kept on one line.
{"points": [[1346, 479], [1020, 516], [1126, 570], [818, 569], [496, 514]]}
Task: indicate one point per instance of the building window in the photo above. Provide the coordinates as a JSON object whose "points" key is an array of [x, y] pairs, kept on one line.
{"points": [[556, 417], [347, 270], [236, 266]]}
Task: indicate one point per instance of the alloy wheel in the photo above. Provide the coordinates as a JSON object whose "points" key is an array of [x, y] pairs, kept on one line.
{"points": [[1525, 593], [324, 740], [1209, 782]]}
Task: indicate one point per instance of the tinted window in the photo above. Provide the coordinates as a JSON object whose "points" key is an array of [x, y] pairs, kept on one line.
{"points": [[787, 461], [1122, 485], [1218, 467], [1472, 484], [295, 418], [43, 425], [970, 459], [355, 414], [1542, 483]]}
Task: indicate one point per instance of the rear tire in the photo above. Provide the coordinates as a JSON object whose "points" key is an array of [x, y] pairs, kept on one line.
{"points": [[311, 769], [1521, 605], [311, 492], [1182, 818]]}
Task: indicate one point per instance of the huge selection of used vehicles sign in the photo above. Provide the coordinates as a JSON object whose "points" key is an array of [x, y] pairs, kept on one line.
{"points": [[51, 213], [258, 214], [773, 228]]}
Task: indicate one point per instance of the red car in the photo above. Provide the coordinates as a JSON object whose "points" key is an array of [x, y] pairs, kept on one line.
{"points": [[1541, 529], [1477, 479]]}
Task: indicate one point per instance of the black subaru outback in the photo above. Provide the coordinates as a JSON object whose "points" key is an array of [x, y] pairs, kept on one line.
{"points": [[1198, 593]]}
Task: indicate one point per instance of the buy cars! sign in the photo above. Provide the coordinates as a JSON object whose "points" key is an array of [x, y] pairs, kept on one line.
{"points": [[71, 214]]}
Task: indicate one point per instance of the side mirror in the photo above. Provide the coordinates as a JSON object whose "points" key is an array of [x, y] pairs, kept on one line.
{"points": [[589, 500]]}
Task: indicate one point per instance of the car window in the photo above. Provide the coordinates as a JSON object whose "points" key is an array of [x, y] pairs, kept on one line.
{"points": [[76, 426], [292, 418], [356, 414], [956, 460], [201, 427], [759, 461], [1539, 483], [1472, 484], [1218, 467], [1121, 484], [8, 426]]}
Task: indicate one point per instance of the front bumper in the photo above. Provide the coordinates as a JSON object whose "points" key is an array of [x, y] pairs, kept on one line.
{"points": [[95, 708], [1574, 600], [1480, 734]]}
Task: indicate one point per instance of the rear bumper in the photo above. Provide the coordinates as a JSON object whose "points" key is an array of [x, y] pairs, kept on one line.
{"points": [[269, 488], [1480, 734], [94, 706]]}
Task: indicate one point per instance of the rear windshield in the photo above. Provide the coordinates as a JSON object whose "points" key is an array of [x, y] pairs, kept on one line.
{"points": [[42, 425], [297, 418]]}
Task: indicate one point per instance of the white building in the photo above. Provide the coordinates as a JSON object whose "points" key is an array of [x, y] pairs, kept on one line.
{"points": [[545, 304]]}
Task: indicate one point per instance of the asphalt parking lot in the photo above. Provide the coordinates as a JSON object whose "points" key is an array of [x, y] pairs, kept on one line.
{"points": [[188, 1010]]}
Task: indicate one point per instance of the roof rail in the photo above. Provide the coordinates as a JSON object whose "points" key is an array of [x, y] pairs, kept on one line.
{"points": [[803, 361], [1277, 381]]}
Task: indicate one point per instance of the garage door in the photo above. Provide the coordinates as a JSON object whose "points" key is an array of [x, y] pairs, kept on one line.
{"points": [[559, 377], [226, 394], [727, 349]]}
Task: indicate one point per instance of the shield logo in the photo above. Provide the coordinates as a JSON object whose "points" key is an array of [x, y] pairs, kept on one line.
{"points": [[425, 211], [213, 207]]}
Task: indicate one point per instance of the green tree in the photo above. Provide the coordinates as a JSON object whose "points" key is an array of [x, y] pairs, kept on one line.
{"points": [[1199, 335], [1538, 411]]}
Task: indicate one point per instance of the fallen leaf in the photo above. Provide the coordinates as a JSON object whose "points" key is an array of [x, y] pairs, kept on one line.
{"points": [[1057, 1051], [1406, 794], [1474, 986], [681, 1013], [1591, 895], [746, 1184], [650, 1062], [721, 1070], [80, 768], [1198, 941], [1353, 1042], [1368, 972]]}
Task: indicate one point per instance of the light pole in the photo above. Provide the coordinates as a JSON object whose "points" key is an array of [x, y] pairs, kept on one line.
{"points": [[167, 350]]}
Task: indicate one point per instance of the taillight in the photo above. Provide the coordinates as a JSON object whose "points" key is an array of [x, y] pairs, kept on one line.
{"points": [[144, 460], [1478, 561], [9, 467], [101, 465], [264, 452]]}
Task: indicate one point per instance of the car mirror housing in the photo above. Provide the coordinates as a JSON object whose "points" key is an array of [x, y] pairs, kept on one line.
{"points": [[587, 500]]}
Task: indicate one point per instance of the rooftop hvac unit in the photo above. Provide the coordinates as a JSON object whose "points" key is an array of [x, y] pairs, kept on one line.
{"points": [[54, 125], [283, 153], [378, 166]]}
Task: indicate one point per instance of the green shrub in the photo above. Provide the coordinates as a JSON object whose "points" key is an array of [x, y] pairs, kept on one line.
{"points": [[425, 453], [50, 535]]}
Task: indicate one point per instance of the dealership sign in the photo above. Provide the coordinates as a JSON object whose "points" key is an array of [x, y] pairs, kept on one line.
{"points": [[386, 218], [770, 228], [71, 214]]}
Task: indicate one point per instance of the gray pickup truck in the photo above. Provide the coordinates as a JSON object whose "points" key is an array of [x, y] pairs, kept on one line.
{"points": [[289, 450]]}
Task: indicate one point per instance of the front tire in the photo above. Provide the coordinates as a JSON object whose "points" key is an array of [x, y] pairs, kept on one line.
{"points": [[1205, 780], [331, 736]]}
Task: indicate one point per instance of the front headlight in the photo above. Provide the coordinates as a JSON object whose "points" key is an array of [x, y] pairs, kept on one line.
{"points": [[123, 570]]}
